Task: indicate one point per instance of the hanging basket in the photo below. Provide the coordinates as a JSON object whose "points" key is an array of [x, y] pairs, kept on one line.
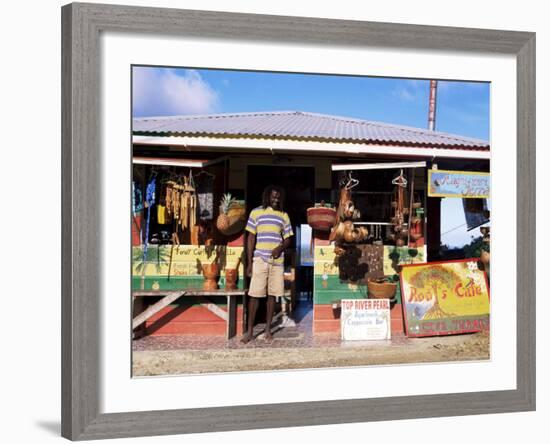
{"points": [[230, 225], [233, 220], [321, 218]]}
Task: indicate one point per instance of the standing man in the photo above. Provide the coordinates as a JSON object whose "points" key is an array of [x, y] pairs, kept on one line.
{"points": [[269, 233]]}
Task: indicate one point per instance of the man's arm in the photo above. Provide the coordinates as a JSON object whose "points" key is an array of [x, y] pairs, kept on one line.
{"points": [[278, 250], [287, 233], [250, 243]]}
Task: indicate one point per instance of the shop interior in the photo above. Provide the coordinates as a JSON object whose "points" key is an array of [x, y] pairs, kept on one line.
{"points": [[308, 182]]}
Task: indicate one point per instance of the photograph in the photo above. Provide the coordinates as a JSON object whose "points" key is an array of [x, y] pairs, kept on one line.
{"points": [[286, 221]]}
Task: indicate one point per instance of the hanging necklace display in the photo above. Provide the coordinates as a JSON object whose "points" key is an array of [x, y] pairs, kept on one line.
{"points": [[205, 195], [149, 202]]}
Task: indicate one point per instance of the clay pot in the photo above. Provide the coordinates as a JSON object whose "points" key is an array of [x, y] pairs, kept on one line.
{"points": [[349, 209], [363, 233], [337, 232], [231, 275], [339, 251], [350, 235], [210, 273]]}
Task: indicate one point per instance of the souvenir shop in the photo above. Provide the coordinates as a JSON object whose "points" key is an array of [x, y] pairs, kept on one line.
{"points": [[360, 209]]}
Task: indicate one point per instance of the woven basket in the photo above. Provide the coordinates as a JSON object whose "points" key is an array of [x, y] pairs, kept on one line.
{"points": [[381, 290], [321, 218], [236, 220]]}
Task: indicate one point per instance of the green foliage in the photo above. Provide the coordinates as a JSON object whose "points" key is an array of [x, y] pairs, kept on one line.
{"points": [[473, 249], [157, 255]]}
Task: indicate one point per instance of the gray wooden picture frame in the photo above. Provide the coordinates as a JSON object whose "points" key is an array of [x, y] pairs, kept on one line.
{"points": [[81, 229]]}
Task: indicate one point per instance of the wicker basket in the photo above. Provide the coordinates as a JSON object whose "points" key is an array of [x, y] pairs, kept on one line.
{"points": [[321, 218], [381, 290], [236, 220]]}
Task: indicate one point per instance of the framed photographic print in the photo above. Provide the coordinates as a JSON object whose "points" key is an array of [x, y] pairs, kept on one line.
{"points": [[234, 183]]}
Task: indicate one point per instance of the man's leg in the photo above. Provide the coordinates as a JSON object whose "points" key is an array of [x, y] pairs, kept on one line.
{"points": [[275, 287], [258, 287], [252, 309], [269, 316]]}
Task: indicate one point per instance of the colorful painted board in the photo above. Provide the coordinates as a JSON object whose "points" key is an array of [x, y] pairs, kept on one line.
{"points": [[373, 256], [178, 267], [442, 298], [464, 184], [394, 257], [329, 288], [365, 319]]}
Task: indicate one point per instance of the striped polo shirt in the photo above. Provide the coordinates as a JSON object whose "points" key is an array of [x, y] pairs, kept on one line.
{"points": [[270, 227]]}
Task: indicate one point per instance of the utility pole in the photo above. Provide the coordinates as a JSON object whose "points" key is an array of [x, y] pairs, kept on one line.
{"points": [[432, 105]]}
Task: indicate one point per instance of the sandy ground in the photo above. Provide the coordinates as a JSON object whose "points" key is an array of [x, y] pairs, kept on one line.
{"points": [[419, 350]]}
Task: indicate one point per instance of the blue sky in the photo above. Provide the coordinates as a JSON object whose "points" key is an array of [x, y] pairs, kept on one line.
{"points": [[462, 107]]}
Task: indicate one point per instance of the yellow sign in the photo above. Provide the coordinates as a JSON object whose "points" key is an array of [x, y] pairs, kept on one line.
{"points": [[463, 184], [325, 259], [183, 260], [444, 298]]}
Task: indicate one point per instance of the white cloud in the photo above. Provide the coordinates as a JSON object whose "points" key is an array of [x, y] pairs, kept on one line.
{"points": [[410, 90], [164, 91], [405, 94]]}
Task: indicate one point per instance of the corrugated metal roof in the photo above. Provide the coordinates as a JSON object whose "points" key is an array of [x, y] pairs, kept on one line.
{"points": [[301, 126]]}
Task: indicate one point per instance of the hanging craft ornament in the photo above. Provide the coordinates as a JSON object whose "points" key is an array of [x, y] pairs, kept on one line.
{"points": [[351, 182], [398, 219], [400, 180]]}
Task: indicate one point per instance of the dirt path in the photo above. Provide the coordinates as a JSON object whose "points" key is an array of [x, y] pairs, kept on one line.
{"points": [[439, 349]]}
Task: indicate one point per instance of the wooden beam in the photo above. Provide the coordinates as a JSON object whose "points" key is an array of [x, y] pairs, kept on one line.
{"points": [[155, 308], [213, 308], [189, 292]]}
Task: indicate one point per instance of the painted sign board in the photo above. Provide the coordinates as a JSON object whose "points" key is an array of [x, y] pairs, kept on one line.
{"points": [[394, 257], [441, 298], [463, 184], [169, 267], [328, 287], [365, 319]]}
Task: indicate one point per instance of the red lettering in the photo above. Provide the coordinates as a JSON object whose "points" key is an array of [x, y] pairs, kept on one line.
{"points": [[412, 295], [427, 326]]}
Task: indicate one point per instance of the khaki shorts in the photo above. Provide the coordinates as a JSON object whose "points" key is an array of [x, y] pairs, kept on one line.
{"points": [[267, 279]]}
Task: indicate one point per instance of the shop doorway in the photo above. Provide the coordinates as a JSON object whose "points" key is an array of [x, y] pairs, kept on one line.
{"points": [[298, 182]]}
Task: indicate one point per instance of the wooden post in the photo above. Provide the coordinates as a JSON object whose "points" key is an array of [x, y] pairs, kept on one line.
{"points": [[231, 326], [411, 200]]}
